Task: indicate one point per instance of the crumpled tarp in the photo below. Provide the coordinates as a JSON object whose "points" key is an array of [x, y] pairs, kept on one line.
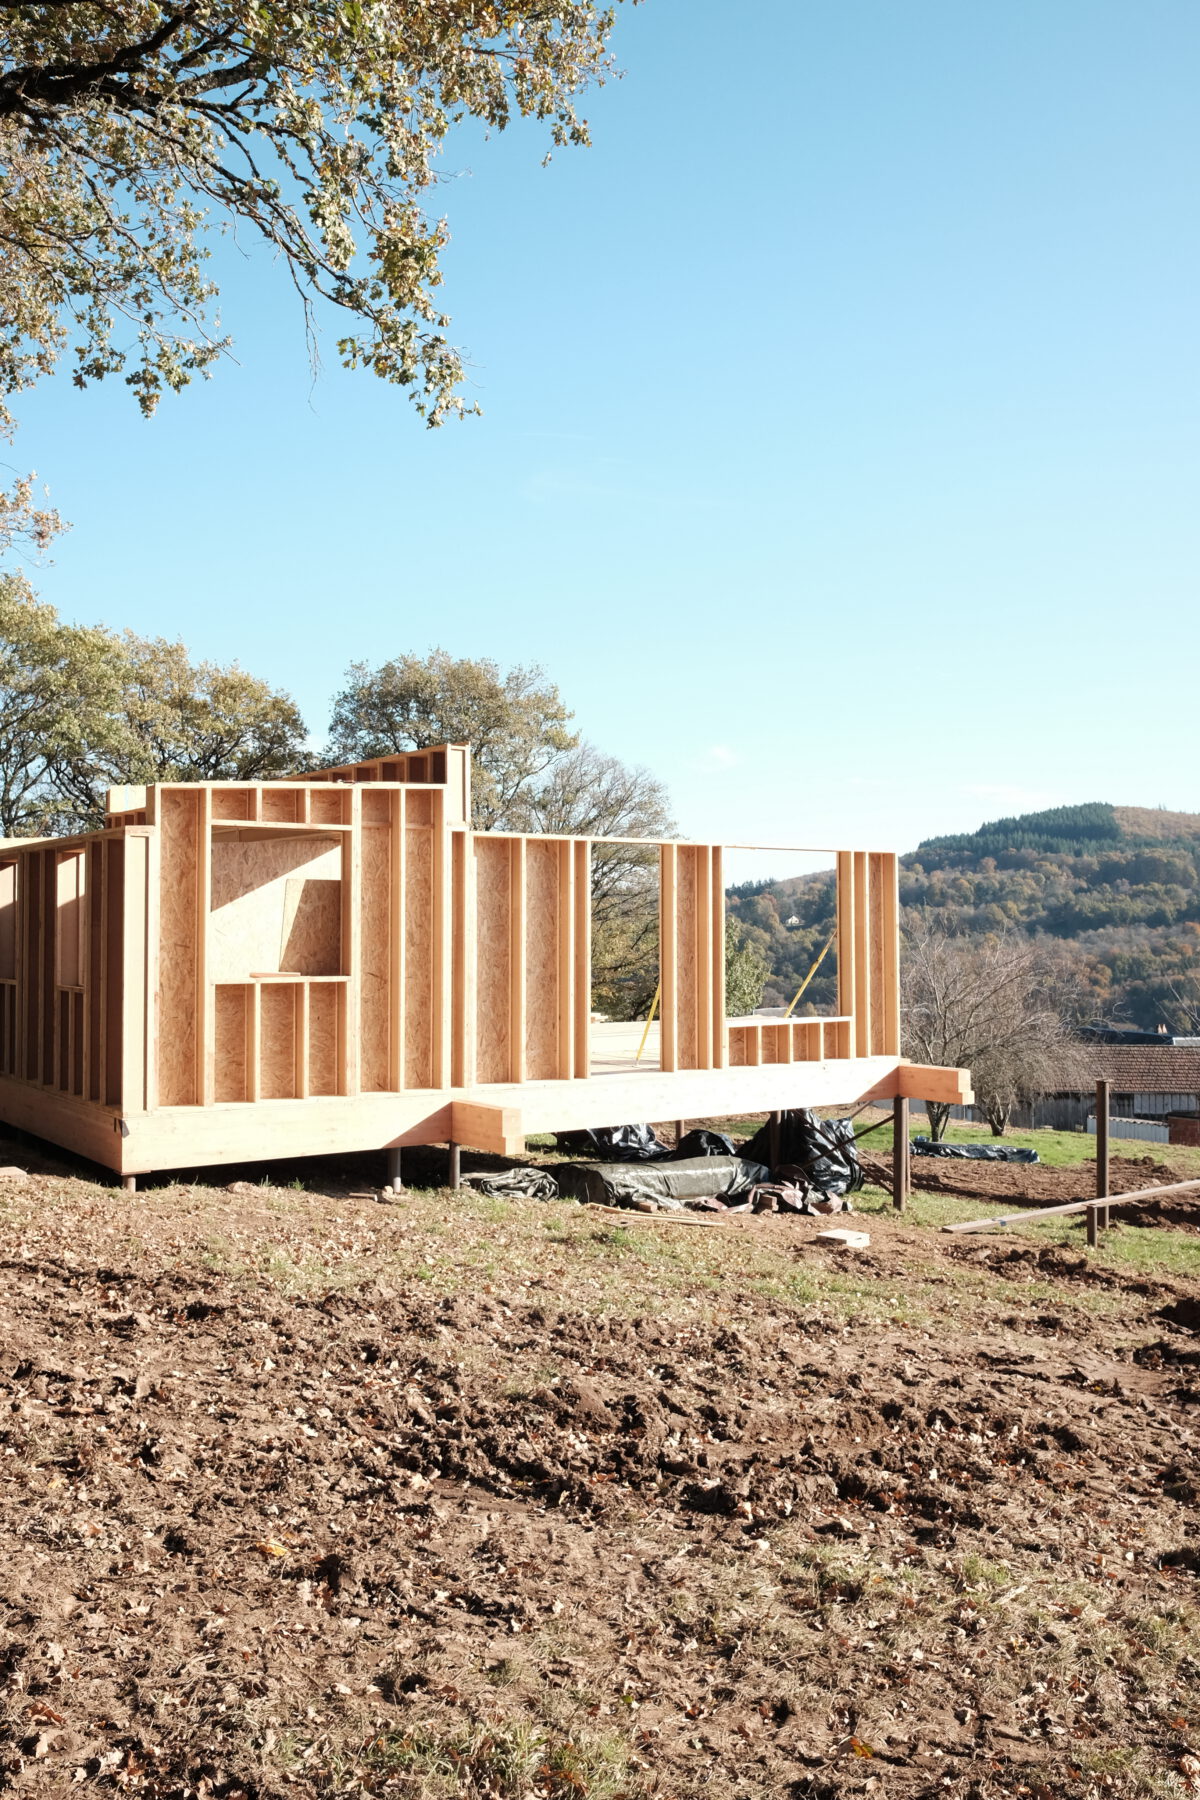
{"points": [[668, 1186], [821, 1151], [525, 1183], [613, 1143], [1009, 1153], [640, 1144]]}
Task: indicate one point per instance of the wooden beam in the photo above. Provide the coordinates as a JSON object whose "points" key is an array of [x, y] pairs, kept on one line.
{"points": [[495, 1129], [916, 1081]]}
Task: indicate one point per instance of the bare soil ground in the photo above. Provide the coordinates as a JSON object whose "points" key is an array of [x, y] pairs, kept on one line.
{"points": [[303, 1495], [1033, 1184]]}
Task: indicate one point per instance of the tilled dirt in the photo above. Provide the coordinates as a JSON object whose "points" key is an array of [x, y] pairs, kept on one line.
{"points": [[1036, 1185], [381, 1541]]}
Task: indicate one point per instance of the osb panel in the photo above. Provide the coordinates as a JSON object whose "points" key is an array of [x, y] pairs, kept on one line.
{"points": [[375, 956], [114, 965], [277, 1042], [283, 804], [69, 923], [233, 803], [739, 1043], [178, 827], [96, 973], [311, 937], [419, 807], [686, 948], [806, 1039], [775, 1039], [257, 926], [493, 960], [229, 1041], [418, 958], [324, 1002], [327, 807], [377, 807], [541, 959], [8, 921]]}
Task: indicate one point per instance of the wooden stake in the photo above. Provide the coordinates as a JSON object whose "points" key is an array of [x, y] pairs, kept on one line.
{"points": [[900, 1154]]}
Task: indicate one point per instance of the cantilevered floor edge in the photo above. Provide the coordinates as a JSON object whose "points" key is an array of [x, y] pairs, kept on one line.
{"points": [[492, 1118]]}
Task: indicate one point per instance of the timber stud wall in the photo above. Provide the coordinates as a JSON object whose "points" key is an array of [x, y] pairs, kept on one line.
{"points": [[345, 939]]}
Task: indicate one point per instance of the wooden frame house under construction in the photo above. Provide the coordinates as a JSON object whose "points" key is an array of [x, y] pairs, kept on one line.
{"points": [[232, 971]]}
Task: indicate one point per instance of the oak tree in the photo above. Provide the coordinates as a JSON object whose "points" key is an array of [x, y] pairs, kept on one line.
{"points": [[127, 127]]}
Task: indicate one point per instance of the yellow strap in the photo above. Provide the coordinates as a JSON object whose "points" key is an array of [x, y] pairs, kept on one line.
{"points": [[812, 972], [649, 1022]]}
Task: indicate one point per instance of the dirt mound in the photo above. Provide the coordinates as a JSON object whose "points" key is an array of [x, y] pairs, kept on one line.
{"points": [[381, 1541]]}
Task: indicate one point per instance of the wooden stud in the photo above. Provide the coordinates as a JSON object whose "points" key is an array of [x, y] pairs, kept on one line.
{"points": [[668, 924], [566, 962], [517, 996], [582, 981]]}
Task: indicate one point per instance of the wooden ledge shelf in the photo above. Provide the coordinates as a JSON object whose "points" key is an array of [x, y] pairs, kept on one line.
{"points": [[248, 830], [294, 976]]}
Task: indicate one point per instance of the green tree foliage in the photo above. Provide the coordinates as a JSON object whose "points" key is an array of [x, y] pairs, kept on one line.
{"points": [[125, 127], [746, 971], [515, 722], [83, 709], [60, 688], [788, 923]]}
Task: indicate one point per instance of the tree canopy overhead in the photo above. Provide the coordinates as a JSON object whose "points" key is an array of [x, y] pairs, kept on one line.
{"points": [[124, 124]]}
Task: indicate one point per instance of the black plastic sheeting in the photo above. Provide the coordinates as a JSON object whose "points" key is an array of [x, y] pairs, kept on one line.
{"points": [[639, 1144], [1007, 1153], [663, 1184], [820, 1151]]}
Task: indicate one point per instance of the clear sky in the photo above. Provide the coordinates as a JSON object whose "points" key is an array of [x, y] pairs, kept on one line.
{"points": [[840, 442]]}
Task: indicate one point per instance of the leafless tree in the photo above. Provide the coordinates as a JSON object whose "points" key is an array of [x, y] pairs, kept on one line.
{"points": [[995, 1005]]}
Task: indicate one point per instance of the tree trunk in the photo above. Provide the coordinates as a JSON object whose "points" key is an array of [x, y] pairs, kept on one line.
{"points": [[997, 1117], [938, 1113]]}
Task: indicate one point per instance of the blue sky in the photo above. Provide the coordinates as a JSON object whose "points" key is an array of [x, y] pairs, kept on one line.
{"points": [[840, 441]]}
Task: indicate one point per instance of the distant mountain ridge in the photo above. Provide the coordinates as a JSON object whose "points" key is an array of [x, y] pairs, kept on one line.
{"points": [[1118, 888], [1072, 830]]}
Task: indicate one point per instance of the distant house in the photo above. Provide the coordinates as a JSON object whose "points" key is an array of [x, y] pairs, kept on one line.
{"points": [[1151, 1078]]}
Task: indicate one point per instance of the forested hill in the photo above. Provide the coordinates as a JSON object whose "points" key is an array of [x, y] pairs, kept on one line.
{"points": [[1117, 887]]}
